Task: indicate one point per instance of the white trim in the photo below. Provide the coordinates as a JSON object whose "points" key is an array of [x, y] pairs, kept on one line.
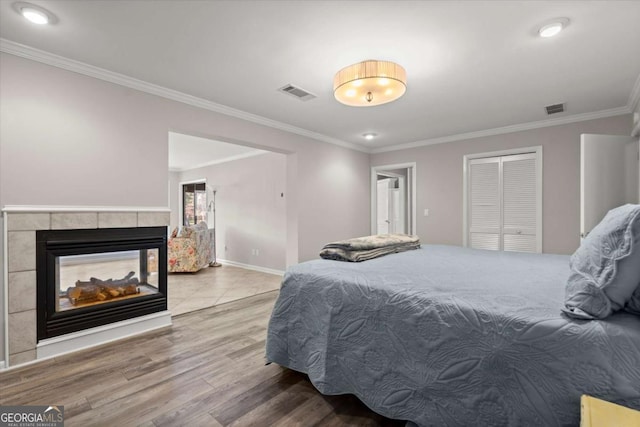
{"points": [[634, 96], [508, 129], [33, 54], [2, 365], [219, 161], [539, 186], [389, 174], [636, 123], [5, 287], [411, 187], [102, 334], [48, 58], [44, 208], [251, 267]]}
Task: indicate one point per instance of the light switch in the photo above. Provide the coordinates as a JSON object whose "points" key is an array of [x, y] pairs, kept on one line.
{"points": [[426, 212]]}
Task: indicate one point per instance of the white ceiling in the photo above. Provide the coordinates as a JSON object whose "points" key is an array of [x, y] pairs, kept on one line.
{"points": [[471, 65], [190, 152]]}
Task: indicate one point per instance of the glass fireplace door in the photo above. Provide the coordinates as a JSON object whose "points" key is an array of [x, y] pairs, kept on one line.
{"points": [[97, 278]]}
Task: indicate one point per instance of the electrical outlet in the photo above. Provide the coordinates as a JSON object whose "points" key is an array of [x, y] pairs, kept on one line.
{"points": [[426, 212]]}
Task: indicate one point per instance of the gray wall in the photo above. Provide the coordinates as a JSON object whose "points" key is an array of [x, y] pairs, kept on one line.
{"points": [[439, 179], [71, 140], [250, 208]]}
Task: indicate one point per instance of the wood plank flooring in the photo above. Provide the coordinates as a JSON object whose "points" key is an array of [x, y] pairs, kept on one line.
{"points": [[206, 370]]}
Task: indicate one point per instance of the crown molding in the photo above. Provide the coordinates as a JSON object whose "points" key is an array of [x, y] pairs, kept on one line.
{"points": [[634, 97], [508, 129], [28, 52], [48, 58], [219, 161]]}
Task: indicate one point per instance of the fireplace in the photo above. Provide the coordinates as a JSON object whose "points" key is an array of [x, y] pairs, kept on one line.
{"points": [[93, 277]]}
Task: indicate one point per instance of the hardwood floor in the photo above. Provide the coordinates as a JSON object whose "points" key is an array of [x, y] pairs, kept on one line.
{"points": [[206, 370]]}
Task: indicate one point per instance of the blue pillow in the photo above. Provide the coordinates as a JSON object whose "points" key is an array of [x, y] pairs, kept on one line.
{"points": [[605, 270]]}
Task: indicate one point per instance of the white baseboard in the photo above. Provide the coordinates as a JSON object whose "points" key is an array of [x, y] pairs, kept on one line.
{"points": [[2, 364], [252, 267], [101, 335]]}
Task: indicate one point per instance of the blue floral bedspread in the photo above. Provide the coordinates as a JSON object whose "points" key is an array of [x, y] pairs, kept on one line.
{"points": [[450, 336]]}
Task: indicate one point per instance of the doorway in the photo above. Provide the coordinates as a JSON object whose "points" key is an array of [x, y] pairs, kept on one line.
{"points": [[609, 176], [393, 199], [240, 192]]}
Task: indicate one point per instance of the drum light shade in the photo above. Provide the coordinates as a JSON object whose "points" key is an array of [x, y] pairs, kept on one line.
{"points": [[370, 83]]}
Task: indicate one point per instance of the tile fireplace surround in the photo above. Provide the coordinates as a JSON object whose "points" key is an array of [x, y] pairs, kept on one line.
{"points": [[20, 225]]}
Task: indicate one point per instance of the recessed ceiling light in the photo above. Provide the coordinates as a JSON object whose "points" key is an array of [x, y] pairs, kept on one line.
{"points": [[34, 14], [369, 136], [553, 27]]}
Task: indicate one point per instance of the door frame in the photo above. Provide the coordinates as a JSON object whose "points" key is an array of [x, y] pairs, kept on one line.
{"points": [[510, 152], [411, 190]]}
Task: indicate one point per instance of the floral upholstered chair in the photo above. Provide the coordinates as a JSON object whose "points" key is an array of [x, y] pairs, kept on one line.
{"points": [[190, 249]]}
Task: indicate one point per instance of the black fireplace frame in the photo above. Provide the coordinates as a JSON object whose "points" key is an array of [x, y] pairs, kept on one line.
{"points": [[51, 244]]}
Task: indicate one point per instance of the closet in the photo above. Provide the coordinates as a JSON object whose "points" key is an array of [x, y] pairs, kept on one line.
{"points": [[504, 204]]}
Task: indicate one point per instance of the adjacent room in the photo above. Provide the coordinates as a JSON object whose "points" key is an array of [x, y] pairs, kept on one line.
{"points": [[320, 213], [237, 196]]}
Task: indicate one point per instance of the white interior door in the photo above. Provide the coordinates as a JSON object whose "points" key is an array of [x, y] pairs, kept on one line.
{"points": [[608, 176], [383, 206], [504, 203], [485, 204], [519, 203], [395, 215]]}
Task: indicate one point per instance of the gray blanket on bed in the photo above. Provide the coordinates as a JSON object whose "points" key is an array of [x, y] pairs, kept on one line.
{"points": [[448, 336], [369, 247]]}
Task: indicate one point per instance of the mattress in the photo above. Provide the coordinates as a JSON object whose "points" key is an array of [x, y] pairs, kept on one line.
{"points": [[450, 336]]}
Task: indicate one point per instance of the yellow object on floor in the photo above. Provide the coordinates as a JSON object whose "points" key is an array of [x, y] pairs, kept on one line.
{"points": [[600, 413]]}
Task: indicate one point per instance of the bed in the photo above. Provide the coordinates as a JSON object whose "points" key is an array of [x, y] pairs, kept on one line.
{"points": [[451, 336]]}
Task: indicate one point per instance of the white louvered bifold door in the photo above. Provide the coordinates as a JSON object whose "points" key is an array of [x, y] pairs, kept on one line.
{"points": [[519, 209], [484, 214], [503, 204]]}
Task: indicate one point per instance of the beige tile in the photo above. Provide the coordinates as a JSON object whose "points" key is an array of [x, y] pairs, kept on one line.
{"points": [[240, 292], [22, 291], [23, 357], [194, 304], [22, 331], [227, 283], [173, 303], [21, 253], [117, 219], [226, 299], [153, 219], [67, 220], [28, 221]]}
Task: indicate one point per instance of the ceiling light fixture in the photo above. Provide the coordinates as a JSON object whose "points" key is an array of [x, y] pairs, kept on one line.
{"points": [[34, 14], [369, 136], [370, 83], [553, 27]]}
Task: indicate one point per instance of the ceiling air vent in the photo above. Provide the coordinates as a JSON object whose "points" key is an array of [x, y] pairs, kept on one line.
{"points": [[296, 92], [555, 108]]}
